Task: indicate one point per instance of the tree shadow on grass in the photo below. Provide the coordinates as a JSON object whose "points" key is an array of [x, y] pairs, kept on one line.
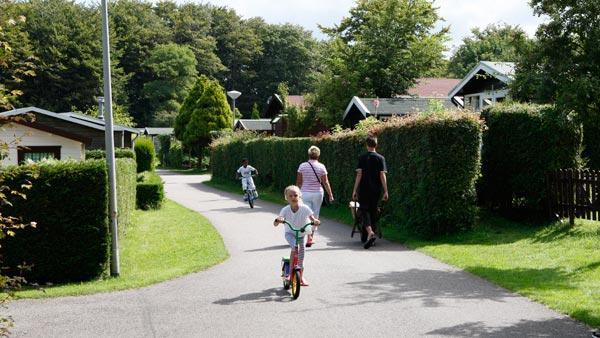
{"points": [[269, 295], [552, 327]]}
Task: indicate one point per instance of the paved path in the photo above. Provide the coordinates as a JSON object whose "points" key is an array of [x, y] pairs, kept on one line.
{"points": [[386, 291]]}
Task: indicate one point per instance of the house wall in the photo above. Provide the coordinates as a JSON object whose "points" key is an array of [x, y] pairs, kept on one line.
{"points": [[18, 135]]}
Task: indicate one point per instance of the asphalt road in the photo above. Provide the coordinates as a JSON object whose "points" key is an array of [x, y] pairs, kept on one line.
{"points": [[385, 291]]}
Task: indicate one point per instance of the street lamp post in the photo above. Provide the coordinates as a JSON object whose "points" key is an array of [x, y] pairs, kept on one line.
{"points": [[233, 94]]}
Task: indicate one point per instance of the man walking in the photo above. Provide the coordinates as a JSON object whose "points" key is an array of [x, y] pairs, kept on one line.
{"points": [[369, 184]]}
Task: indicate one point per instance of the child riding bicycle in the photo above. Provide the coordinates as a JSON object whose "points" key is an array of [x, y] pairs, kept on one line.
{"points": [[245, 173], [297, 214]]}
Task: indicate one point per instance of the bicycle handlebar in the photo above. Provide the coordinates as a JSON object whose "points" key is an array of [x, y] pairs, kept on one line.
{"points": [[301, 229]]}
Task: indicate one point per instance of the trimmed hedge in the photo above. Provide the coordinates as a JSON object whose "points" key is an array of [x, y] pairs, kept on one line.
{"points": [[126, 192], [144, 154], [433, 163], [522, 143], [150, 191], [97, 154], [69, 202]]}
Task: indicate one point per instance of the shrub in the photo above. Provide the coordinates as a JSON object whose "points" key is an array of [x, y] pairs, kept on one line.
{"points": [[144, 154], [96, 154], [433, 163], [68, 200], [126, 191], [150, 191], [522, 143]]}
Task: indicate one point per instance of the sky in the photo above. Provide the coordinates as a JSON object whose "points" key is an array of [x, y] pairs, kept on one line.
{"points": [[460, 15]]}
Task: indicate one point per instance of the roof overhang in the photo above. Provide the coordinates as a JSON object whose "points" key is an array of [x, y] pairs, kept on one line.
{"points": [[481, 66], [76, 137], [359, 104]]}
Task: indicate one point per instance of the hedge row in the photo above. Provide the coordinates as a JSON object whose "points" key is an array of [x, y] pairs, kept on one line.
{"points": [[433, 163], [150, 191], [144, 154], [521, 144], [96, 154], [69, 202]]}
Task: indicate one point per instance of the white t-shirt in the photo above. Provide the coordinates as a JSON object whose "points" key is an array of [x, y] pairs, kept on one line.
{"points": [[246, 172], [297, 219]]}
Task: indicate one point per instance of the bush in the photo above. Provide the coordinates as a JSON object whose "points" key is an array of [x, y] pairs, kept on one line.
{"points": [[126, 192], [171, 152], [522, 144], [150, 191], [144, 154], [97, 154], [433, 163], [68, 200]]}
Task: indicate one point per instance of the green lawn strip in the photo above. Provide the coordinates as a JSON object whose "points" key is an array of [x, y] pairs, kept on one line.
{"points": [[160, 245], [554, 264]]}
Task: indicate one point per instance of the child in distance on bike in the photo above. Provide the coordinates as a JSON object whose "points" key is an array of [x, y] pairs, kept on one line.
{"points": [[297, 214], [245, 172]]}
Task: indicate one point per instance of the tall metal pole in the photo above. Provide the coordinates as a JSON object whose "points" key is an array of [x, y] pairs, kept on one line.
{"points": [[233, 113], [110, 144]]}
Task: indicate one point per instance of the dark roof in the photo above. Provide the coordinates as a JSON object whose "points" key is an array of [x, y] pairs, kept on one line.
{"points": [[158, 131], [254, 124], [433, 87], [502, 72], [401, 105]]}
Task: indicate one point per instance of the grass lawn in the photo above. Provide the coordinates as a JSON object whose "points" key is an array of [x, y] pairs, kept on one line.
{"points": [[160, 245], [553, 264]]}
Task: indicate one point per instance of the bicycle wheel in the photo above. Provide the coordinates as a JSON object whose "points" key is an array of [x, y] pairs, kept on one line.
{"points": [[249, 198], [296, 284]]}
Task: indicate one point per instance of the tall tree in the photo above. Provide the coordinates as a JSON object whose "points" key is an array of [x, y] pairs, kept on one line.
{"points": [[174, 71], [204, 110], [69, 70], [564, 64], [289, 55], [493, 43], [137, 30], [16, 58], [238, 46]]}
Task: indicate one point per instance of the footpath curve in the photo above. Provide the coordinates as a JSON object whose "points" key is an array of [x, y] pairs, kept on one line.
{"points": [[385, 291]]}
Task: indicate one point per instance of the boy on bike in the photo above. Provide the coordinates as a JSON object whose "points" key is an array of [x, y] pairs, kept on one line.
{"points": [[297, 214], [369, 184], [245, 172]]}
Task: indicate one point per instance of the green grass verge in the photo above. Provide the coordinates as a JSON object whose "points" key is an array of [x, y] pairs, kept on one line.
{"points": [[554, 264], [160, 245]]}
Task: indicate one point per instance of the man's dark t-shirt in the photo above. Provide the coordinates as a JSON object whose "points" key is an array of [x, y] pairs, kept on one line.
{"points": [[370, 187]]}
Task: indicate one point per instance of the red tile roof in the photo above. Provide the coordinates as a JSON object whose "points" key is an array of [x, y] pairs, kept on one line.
{"points": [[296, 100], [433, 87]]}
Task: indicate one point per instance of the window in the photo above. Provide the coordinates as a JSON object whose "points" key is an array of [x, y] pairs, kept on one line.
{"points": [[36, 153]]}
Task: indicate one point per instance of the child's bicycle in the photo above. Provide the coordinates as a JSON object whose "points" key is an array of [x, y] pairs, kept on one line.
{"points": [[250, 194], [357, 227], [292, 277]]}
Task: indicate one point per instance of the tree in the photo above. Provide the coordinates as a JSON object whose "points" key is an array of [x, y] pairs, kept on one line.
{"points": [[562, 66], [16, 58], [255, 112], [120, 115], [204, 110], [390, 43], [503, 43], [174, 71]]}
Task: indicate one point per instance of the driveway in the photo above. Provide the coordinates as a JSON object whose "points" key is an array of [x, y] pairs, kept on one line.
{"points": [[385, 291]]}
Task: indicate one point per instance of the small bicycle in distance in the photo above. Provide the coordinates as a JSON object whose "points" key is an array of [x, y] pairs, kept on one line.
{"points": [[250, 194], [292, 277]]}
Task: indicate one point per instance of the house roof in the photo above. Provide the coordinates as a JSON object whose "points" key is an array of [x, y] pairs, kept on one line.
{"points": [[254, 124], [503, 71], [80, 119], [56, 131], [157, 131], [400, 105], [433, 87]]}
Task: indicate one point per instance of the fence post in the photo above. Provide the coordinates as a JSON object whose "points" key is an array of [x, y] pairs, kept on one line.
{"points": [[572, 199]]}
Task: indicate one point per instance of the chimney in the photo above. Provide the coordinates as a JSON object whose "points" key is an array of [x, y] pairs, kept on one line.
{"points": [[101, 108]]}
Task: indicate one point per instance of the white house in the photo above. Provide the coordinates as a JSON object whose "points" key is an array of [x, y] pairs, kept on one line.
{"points": [[486, 84], [33, 141]]}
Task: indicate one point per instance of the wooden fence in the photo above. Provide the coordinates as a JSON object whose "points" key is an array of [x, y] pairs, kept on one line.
{"points": [[574, 194]]}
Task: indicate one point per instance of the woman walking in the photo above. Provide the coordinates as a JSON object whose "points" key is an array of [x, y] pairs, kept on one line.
{"points": [[312, 178]]}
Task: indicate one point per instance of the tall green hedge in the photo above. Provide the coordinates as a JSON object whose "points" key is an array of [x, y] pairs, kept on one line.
{"points": [[150, 191], [433, 163], [144, 154], [68, 201], [126, 191], [521, 144], [96, 154]]}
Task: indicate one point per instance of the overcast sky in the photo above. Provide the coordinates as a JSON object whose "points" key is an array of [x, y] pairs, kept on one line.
{"points": [[460, 15]]}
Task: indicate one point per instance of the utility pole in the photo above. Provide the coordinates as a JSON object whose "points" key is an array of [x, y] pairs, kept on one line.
{"points": [[110, 144]]}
